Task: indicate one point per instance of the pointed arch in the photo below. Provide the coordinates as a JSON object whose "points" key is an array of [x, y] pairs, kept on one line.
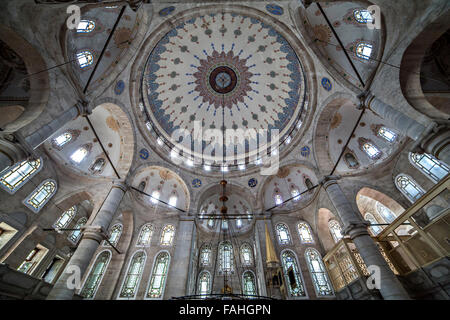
{"points": [[41, 195], [158, 278], [130, 284], [14, 178], [292, 274], [319, 276], [95, 275]]}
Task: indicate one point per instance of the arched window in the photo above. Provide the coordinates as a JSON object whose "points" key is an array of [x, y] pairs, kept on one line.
{"points": [[335, 230], [205, 255], [159, 276], [248, 283], [308, 184], [410, 189], [155, 197], [434, 169], [351, 160], [387, 134], [204, 283], [85, 58], [278, 199], [238, 223], [96, 275], [133, 277], [362, 16], [374, 229], [173, 200], [74, 236], [385, 213], [62, 139], [33, 259], [97, 166], [224, 224], [145, 235], [13, 179], [167, 235], [295, 194], [226, 257], [85, 26], [211, 223], [292, 274], [318, 274], [364, 50], [246, 254], [305, 233], [64, 220], [371, 150], [114, 236], [79, 154], [283, 233], [41, 195], [142, 186]]}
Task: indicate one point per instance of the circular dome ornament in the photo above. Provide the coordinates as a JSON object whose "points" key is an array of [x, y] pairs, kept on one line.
{"points": [[245, 76], [326, 84], [143, 154], [120, 86], [196, 183], [166, 11], [305, 151], [252, 182], [274, 9]]}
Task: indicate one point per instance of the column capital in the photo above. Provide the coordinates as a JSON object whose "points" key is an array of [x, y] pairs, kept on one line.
{"points": [[327, 181], [356, 228], [84, 108], [121, 184], [94, 233]]}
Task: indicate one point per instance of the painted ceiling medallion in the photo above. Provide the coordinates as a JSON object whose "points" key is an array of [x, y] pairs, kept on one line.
{"points": [[275, 9], [223, 79], [326, 84], [252, 182], [143, 154], [196, 183], [305, 151], [244, 74]]}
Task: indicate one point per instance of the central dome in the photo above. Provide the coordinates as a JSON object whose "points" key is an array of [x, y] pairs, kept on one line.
{"points": [[223, 71]]}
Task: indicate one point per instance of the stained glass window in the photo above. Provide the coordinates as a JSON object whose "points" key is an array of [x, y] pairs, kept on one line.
{"points": [[226, 257], [305, 233], [97, 166], [85, 26], [364, 50], [387, 134], [384, 212], [238, 223], [133, 277], [362, 15], [210, 223], [13, 179], [159, 275], [224, 224], [96, 275], [167, 235], [204, 282], [410, 189], [76, 234], [249, 284], [64, 220], [85, 58], [374, 229], [114, 235], [33, 259], [430, 166], [318, 273], [173, 201], [63, 139], [79, 155], [292, 274], [371, 150], [155, 197], [335, 230], [41, 195], [205, 255], [145, 235], [246, 254], [283, 233]]}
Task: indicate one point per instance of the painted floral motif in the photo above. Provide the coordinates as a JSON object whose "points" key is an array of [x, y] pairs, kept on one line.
{"points": [[252, 182], [196, 183]]}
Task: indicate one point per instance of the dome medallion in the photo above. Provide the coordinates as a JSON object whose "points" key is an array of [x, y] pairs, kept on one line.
{"points": [[224, 71]]}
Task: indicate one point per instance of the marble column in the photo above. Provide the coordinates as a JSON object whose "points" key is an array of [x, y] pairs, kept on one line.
{"points": [[433, 139], [356, 228], [177, 280], [91, 239]]}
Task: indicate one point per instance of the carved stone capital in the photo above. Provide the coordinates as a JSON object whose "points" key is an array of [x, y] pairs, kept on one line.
{"points": [[326, 181], [94, 233]]}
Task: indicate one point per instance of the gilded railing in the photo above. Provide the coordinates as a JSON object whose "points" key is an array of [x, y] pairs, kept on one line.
{"points": [[406, 244]]}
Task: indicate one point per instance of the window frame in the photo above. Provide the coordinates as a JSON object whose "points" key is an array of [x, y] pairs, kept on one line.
{"points": [[101, 277], [163, 289], [34, 193], [311, 273], [25, 179], [138, 282]]}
